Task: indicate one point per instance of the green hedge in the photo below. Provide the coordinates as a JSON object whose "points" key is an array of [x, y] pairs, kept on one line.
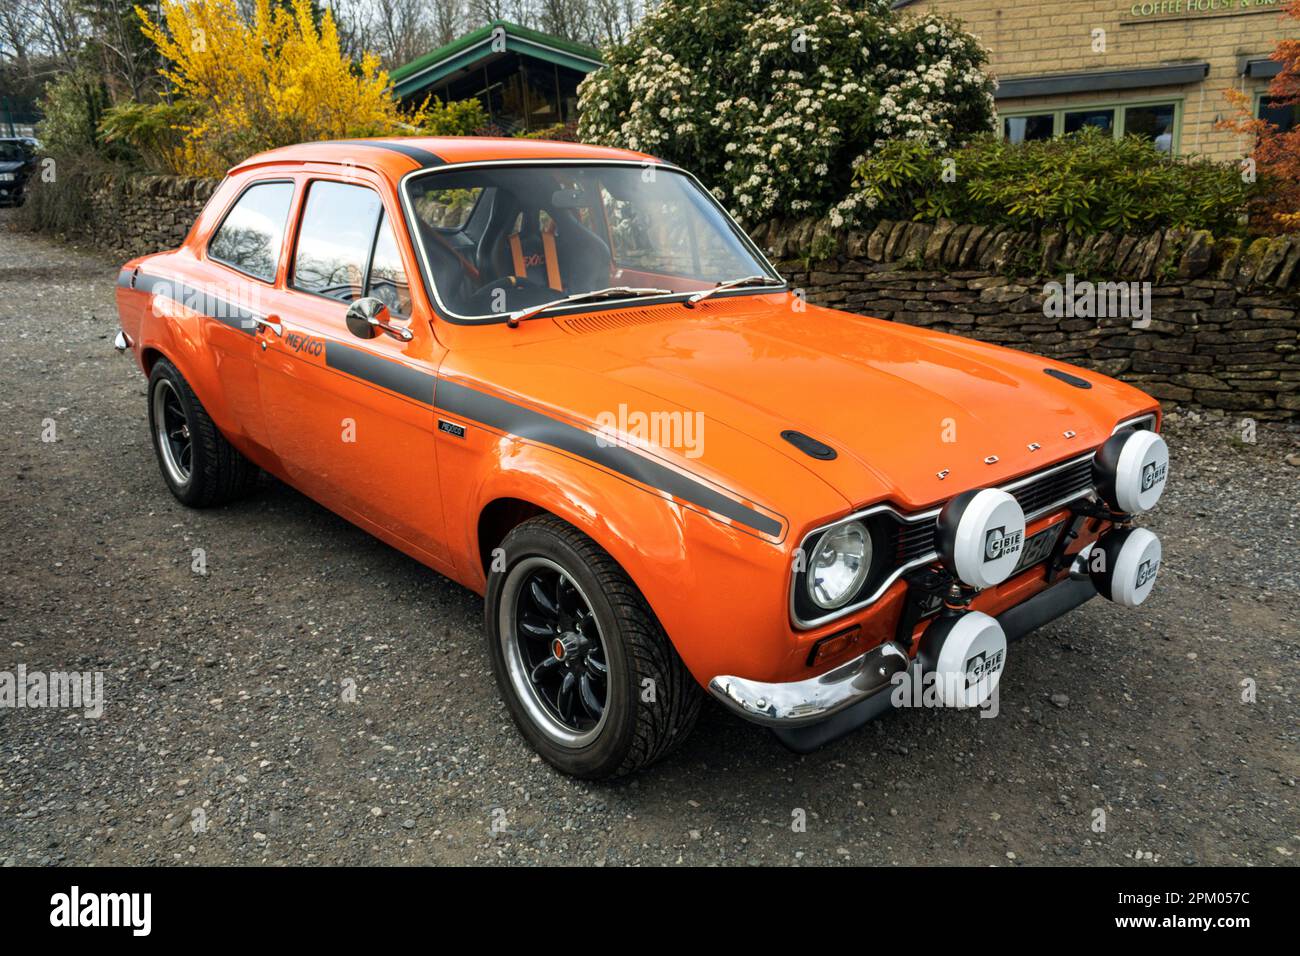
{"points": [[1087, 182]]}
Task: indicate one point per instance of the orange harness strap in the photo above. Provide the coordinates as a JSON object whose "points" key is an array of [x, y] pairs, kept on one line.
{"points": [[552, 261], [548, 251], [517, 253]]}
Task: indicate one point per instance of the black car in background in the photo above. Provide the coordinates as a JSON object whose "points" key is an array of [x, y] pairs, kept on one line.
{"points": [[17, 163]]}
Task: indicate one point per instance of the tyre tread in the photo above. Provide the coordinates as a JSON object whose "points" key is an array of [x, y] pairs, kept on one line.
{"points": [[226, 474], [659, 728]]}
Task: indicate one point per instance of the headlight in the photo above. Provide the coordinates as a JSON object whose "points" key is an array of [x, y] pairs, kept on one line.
{"points": [[1130, 470], [839, 565]]}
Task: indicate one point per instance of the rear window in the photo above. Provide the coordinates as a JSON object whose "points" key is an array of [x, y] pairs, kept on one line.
{"points": [[249, 238]]}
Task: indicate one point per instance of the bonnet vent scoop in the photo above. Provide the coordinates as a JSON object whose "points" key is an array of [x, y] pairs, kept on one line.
{"points": [[808, 445]]}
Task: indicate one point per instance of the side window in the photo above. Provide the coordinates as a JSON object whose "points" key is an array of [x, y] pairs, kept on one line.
{"points": [[335, 239], [387, 279], [249, 237]]}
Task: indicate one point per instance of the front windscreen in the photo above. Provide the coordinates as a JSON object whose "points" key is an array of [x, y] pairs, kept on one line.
{"points": [[496, 239]]}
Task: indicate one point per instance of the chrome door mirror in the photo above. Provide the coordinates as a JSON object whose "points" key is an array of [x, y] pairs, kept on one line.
{"points": [[367, 317]]}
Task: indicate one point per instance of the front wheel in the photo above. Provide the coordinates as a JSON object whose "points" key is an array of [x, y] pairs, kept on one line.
{"points": [[586, 670]]}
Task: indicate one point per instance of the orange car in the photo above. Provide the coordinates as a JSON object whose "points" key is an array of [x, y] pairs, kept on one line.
{"points": [[562, 376]]}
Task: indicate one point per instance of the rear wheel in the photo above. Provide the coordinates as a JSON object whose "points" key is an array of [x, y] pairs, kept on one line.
{"points": [[589, 675], [200, 467]]}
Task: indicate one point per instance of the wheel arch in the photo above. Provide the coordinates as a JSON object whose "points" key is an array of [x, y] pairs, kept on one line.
{"points": [[640, 531], [149, 356], [498, 518], [670, 552]]}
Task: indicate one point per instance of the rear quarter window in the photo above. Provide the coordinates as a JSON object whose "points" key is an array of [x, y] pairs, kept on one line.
{"points": [[250, 237]]}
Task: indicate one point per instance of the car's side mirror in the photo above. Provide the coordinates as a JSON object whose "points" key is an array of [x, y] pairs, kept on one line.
{"points": [[367, 317]]}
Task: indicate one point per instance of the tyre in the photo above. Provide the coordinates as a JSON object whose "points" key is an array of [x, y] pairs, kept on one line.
{"points": [[200, 467], [586, 670]]}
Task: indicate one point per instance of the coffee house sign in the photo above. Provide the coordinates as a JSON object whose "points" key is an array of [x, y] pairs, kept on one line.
{"points": [[1175, 9]]}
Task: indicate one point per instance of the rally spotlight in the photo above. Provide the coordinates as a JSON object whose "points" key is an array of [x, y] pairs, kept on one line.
{"points": [[1130, 470], [966, 652], [980, 536], [1123, 565]]}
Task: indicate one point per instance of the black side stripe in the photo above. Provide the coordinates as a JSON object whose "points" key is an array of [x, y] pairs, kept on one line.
{"points": [[516, 420], [192, 297], [421, 156], [464, 402], [393, 376]]}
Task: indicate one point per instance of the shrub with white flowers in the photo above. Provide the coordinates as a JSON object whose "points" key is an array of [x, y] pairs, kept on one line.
{"points": [[772, 103]]}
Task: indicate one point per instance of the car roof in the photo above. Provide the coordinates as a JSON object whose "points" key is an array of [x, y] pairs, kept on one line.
{"points": [[399, 155]]}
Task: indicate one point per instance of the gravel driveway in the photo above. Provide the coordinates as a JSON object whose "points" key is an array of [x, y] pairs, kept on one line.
{"points": [[230, 733]]}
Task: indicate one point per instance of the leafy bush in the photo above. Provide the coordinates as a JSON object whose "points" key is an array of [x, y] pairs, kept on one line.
{"points": [[459, 118], [154, 131], [280, 79], [58, 199], [1087, 182], [71, 108], [770, 101], [1276, 155], [558, 132]]}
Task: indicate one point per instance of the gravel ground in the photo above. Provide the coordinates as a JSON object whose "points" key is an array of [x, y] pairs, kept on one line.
{"points": [[226, 739]]}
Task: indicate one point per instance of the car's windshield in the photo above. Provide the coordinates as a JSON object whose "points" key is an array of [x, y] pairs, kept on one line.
{"points": [[11, 152], [498, 239]]}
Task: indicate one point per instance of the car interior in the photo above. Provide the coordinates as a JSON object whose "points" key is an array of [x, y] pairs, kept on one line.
{"points": [[519, 237]]}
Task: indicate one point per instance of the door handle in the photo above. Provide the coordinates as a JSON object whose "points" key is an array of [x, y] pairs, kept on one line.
{"points": [[270, 322]]}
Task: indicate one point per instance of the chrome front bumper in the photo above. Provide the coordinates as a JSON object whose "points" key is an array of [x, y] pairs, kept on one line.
{"points": [[806, 714], [808, 701]]}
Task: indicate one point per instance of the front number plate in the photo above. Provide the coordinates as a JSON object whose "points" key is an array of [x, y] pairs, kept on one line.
{"points": [[1037, 548]]}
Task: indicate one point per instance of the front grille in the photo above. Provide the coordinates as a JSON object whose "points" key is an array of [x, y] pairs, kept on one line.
{"points": [[1072, 481], [915, 540], [1037, 495]]}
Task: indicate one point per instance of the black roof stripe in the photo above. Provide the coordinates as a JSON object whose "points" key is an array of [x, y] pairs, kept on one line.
{"points": [[422, 156]]}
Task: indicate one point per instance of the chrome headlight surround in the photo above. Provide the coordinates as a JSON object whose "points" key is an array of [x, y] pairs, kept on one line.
{"points": [[868, 535], [838, 565]]}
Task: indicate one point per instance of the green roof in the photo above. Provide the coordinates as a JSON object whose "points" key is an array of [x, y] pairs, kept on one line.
{"points": [[427, 70]]}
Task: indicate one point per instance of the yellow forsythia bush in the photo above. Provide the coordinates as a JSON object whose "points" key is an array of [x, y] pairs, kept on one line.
{"points": [[279, 80]]}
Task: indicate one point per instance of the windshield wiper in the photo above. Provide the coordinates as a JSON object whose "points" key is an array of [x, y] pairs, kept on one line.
{"points": [[731, 284], [616, 292]]}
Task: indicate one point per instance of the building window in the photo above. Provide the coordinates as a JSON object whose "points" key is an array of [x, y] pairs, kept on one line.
{"points": [[1157, 122], [1077, 120], [1285, 116], [1018, 129]]}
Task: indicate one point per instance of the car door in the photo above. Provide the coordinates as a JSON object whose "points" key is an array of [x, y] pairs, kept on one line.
{"points": [[232, 289], [351, 418]]}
